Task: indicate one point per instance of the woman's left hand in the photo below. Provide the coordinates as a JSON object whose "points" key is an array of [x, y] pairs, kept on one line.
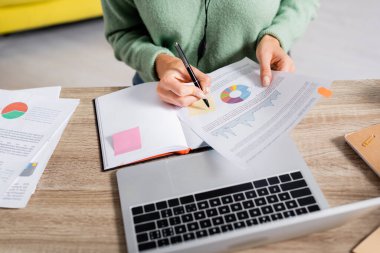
{"points": [[271, 56]]}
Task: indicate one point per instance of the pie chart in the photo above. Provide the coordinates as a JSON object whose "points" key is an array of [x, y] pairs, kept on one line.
{"points": [[14, 110], [235, 94]]}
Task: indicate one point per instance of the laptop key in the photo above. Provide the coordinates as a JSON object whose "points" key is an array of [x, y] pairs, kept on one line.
{"points": [[227, 227], [173, 202], [291, 204], [276, 216], [224, 209], [147, 245], [262, 191], [142, 237], [296, 175], [313, 208], [203, 205], [264, 219], [180, 229], [284, 196], [274, 189], [149, 208], [250, 194], [272, 199], [217, 221], [306, 201], [273, 180], [205, 223], [230, 218], [137, 210], [260, 183], [187, 199], [199, 215], [293, 185], [146, 217], [301, 211], [191, 208], [163, 242], [251, 222], [267, 209], [260, 201], [285, 178], [213, 231], [215, 202], [202, 233], [166, 213], [223, 191], [167, 232], [236, 207], [239, 197], [174, 221], [248, 204], [175, 239], [289, 213], [242, 215], [187, 218], [162, 223], [145, 227], [189, 236], [153, 235], [279, 207], [226, 199], [211, 212], [300, 192], [239, 224], [161, 205], [254, 212], [178, 210], [192, 226]]}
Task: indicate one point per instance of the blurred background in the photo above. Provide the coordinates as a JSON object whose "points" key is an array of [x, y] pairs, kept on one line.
{"points": [[342, 43]]}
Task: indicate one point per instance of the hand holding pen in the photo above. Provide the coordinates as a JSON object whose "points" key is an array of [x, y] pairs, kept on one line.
{"points": [[175, 85]]}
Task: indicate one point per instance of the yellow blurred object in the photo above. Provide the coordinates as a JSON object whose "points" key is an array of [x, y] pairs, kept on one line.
{"points": [[20, 15]]}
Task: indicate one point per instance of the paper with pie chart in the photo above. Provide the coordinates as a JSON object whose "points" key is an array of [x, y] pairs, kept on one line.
{"points": [[249, 117], [27, 123]]}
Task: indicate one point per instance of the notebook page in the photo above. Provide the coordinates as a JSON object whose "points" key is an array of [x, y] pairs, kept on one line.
{"points": [[134, 124]]}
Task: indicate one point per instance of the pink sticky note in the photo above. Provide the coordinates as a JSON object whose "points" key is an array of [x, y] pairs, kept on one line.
{"points": [[126, 141]]}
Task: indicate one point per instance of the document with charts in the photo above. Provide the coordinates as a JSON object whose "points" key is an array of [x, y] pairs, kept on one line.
{"points": [[27, 123], [244, 117]]}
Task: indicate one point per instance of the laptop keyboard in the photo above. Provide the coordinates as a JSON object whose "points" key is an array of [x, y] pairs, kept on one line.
{"points": [[209, 213]]}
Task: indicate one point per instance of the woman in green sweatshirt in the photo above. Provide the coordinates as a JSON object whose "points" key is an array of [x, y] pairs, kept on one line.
{"points": [[142, 34]]}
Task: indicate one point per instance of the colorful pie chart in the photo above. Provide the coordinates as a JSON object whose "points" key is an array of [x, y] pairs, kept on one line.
{"points": [[235, 94], [14, 110]]}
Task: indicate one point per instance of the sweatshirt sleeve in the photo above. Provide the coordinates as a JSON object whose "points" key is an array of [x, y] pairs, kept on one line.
{"points": [[129, 38], [291, 21]]}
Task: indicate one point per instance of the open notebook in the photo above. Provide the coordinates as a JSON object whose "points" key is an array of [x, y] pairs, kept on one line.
{"points": [[135, 125]]}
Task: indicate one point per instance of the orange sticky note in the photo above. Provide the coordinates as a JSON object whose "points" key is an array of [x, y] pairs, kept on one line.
{"points": [[324, 92], [370, 244]]}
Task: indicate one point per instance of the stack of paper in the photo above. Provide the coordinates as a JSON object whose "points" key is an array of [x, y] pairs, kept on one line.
{"points": [[31, 124]]}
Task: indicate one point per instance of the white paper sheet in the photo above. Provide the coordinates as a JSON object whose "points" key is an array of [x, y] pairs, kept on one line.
{"points": [[24, 132], [21, 190], [247, 117]]}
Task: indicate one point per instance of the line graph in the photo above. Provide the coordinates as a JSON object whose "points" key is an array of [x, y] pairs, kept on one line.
{"points": [[246, 118]]}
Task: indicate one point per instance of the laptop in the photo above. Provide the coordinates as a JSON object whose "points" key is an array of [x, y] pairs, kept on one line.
{"points": [[203, 203]]}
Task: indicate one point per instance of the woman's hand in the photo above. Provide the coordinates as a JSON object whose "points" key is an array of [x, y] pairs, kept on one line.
{"points": [[271, 56], [175, 85]]}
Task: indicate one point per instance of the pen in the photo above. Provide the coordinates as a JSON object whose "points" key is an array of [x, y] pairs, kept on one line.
{"points": [[189, 69]]}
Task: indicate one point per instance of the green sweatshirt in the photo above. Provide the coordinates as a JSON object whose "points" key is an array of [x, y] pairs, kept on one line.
{"points": [[139, 30]]}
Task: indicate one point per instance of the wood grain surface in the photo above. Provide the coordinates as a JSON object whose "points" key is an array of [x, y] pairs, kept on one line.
{"points": [[76, 205]]}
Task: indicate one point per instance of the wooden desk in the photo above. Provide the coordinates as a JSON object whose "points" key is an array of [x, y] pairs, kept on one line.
{"points": [[76, 206]]}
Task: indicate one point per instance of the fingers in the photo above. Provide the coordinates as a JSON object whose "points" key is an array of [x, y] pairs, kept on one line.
{"points": [[204, 79], [181, 89], [171, 98], [286, 64], [265, 70]]}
